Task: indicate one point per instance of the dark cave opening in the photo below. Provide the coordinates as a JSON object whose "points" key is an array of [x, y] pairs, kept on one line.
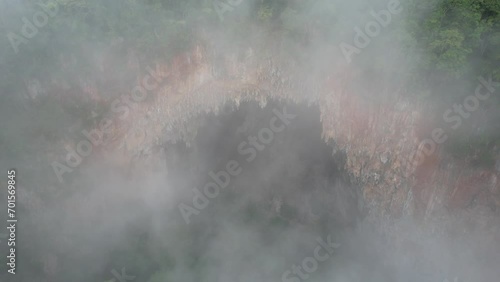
{"points": [[251, 195], [264, 171], [254, 191], [287, 173]]}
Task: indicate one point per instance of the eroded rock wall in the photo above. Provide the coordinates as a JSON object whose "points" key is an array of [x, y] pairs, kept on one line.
{"points": [[377, 136]]}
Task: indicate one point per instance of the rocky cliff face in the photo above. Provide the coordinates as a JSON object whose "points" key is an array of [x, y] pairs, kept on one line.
{"points": [[377, 137]]}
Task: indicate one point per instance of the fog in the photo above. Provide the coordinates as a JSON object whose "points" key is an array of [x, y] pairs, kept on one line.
{"points": [[247, 189]]}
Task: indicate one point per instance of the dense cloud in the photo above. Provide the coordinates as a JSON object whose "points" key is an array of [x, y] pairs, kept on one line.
{"points": [[250, 191]]}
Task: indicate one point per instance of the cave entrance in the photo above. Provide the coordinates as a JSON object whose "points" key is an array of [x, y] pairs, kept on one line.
{"points": [[269, 163], [253, 191]]}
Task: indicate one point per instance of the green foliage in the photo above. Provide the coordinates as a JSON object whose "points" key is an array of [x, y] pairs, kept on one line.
{"points": [[454, 42], [265, 13], [453, 35], [448, 52]]}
